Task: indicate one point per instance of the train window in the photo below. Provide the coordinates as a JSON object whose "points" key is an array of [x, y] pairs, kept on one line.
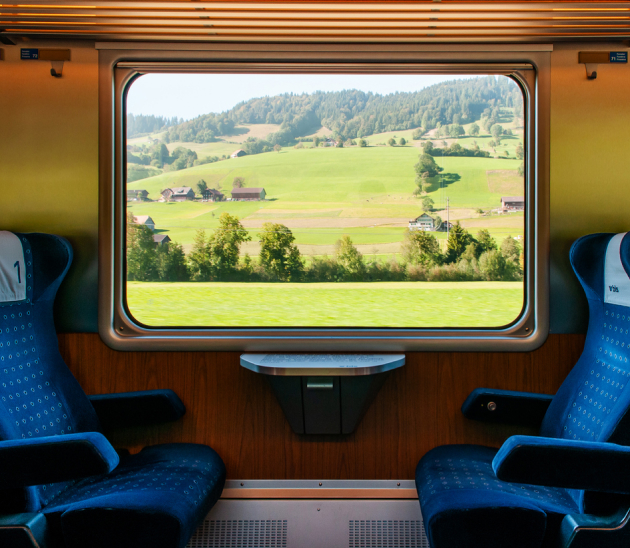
{"points": [[266, 206]]}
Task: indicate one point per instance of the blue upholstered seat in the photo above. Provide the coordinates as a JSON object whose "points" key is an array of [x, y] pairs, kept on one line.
{"points": [[463, 502], [154, 498]]}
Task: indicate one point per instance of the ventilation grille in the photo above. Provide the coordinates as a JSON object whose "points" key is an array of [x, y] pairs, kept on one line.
{"points": [[387, 534], [242, 533]]}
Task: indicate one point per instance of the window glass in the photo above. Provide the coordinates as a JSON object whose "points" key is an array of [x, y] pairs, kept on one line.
{"points": [[290, 200]]}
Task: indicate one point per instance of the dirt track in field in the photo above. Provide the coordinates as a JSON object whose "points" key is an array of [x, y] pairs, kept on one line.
{"points": [[330, 222]]}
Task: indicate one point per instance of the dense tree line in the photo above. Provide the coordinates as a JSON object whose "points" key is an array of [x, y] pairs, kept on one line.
{"points": [[217, 257], [354, 114], [455, 150], [158, 156], [140, 124]]}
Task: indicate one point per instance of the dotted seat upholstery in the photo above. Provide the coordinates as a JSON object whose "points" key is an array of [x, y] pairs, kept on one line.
{"points": [[456, 482], [159, 495]]}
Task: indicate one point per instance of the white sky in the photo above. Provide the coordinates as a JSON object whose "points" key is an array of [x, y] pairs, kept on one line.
{"points": [[190, 95]]}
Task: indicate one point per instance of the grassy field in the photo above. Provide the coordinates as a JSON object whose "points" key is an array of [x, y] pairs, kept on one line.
{"points": [[388, 304], [324, 193]]}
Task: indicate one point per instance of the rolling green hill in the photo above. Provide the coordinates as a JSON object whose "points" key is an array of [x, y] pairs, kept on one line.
{"points": [[324, 193]]}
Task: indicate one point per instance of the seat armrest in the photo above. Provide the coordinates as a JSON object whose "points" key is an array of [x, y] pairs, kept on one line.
{"points": [[506, 406], [572, 464], [143, 408], [51, 459], [592, 530]]}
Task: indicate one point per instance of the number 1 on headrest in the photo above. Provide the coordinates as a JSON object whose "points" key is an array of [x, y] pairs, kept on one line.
{"points": [[17, 263]]}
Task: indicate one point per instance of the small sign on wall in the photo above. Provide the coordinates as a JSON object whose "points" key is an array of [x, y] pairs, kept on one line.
{"points": [[29, 53], [618, 57]]}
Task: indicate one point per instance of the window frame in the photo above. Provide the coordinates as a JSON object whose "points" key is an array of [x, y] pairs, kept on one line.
{"points": [[121, 63]]}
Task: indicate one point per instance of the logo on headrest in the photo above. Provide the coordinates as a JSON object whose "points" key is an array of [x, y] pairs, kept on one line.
{"points": [[613, 288]]}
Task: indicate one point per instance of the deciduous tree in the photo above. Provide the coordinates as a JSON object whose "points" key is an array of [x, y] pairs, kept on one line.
{"points": [[202, 186], [421, 247], [279, 256], [350, 259], [497, 132], [224, 244], [456, 131]]}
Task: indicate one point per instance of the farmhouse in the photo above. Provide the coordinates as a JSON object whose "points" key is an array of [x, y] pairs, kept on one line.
{"points": [[212, 195], [512, 203], [444, 226], [238, 153], [160, 239], [137, 195], [424, 222], [248, 194], [178, 194], [144, 220]]}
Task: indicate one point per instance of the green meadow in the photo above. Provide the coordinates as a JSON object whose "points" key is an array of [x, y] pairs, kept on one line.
{"points": [[391, 304], [324, 193]]}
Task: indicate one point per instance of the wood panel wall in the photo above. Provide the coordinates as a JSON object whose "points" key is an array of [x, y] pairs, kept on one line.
{"points": [[234, 411]]}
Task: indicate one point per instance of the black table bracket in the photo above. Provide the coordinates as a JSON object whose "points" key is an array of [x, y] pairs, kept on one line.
{"points": [[324, 393]]}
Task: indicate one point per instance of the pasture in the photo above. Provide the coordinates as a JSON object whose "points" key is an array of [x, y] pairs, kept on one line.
{"points": [[377, 304], [324, 193]]}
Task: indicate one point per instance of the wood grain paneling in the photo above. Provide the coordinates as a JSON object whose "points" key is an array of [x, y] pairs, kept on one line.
{"points": [[234, 411]]}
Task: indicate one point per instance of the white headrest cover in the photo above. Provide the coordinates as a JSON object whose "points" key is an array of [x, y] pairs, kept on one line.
{"points": [[12, 268], [616, 281]]}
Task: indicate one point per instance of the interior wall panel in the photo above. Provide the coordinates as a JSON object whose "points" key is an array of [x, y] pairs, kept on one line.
{"points": [[234, 411]]}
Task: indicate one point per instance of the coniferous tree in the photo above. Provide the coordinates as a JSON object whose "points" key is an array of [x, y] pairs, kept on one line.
{"points": [[458, 240]]}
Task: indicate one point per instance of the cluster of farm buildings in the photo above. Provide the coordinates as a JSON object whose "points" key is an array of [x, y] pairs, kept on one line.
{"points": [[184, 193], [509, 204], [146, 220]]}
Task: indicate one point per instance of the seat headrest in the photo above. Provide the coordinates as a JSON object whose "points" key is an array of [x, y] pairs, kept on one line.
{"points": [[602, 264], [13, 269], [42, 260], [616, 280]]}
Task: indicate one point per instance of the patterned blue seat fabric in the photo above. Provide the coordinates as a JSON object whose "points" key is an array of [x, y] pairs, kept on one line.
{"points": [[155, 498], [463, 503]]}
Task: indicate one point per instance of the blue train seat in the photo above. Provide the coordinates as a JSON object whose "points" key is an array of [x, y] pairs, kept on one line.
{"points": [[55, 461], [568, 486]]}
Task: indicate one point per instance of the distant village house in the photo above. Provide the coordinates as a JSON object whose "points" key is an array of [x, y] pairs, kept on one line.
{"points": [[212, 195], [137, 195], [161, 239], [248, 194], [428, 224], [512, 203], [238, 153], [178, 194], [424, 222], [144, 220]]}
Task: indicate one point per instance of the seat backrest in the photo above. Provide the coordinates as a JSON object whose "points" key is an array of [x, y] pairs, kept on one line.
{"points": [[38, 394], [593, 402]]}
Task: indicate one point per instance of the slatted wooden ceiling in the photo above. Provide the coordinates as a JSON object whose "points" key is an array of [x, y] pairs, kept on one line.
{"points": [[420, 21]]}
